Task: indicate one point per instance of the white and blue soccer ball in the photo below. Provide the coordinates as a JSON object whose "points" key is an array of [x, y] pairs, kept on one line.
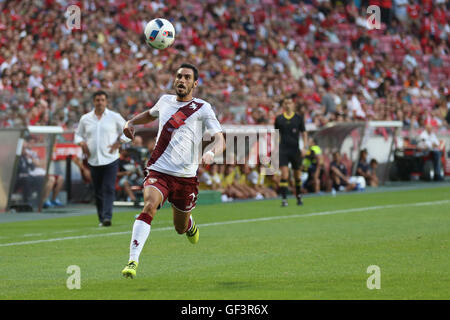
{"points": [[159, 33]]}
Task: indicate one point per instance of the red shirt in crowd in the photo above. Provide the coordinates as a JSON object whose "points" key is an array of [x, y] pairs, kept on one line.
{"points": [[427, 5], [440, 16], [387, 4], [413, 11]]}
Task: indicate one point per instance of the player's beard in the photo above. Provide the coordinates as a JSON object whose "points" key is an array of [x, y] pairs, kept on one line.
{"points": [[186, 92]]}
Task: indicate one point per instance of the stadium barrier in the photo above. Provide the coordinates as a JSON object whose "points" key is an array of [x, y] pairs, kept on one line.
{"points": [[379, 138], [11, 148], [349, 138], [24, 166]]}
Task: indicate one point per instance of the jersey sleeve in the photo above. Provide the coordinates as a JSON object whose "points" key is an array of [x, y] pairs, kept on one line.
{"points": [[211, 121], [154, 111], [301, 124], [120, 123], [435, 140], [80, 132]]}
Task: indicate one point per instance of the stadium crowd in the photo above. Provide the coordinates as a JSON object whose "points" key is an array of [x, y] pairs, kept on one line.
{"points": [[250, 53]]}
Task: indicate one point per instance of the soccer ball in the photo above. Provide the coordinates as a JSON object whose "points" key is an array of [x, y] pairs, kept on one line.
{"points": [[159, 33]]}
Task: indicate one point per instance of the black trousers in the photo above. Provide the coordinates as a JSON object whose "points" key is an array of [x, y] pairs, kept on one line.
{"points": [[437, 164], [104, 181]]}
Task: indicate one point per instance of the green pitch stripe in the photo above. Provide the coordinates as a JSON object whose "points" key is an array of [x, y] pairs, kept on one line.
{"points": [[292, 216]]}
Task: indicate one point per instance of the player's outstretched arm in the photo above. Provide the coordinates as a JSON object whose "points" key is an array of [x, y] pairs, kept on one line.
{"points": [[218, 146], [141, 118]]}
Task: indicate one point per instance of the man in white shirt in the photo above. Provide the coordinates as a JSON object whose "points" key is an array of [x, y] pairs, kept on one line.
{"points": [[429, 141], [354, 107], [99, 134], [400, 10], [171, 172]]}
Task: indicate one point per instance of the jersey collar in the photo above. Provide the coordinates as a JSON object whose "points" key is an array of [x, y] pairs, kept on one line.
{"points": [[288, 117]]}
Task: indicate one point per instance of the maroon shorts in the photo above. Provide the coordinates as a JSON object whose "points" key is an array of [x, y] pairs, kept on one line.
{"points": [[181, 192]]}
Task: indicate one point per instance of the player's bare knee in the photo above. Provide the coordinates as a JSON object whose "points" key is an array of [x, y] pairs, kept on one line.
{"points": [[150, 208]]}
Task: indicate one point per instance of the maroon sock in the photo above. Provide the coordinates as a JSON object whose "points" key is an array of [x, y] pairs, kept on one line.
{"points": [[145, 217]]}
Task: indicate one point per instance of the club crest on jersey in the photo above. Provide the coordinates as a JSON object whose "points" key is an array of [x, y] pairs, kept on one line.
{"points": [[194, 105], [152, 180]]}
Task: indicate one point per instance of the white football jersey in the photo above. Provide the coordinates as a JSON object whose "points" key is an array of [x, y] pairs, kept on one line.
{"points": [[181, 126]]}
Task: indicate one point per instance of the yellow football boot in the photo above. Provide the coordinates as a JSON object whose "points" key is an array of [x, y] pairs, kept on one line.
{"points": [[193, 234], [130, 269]]}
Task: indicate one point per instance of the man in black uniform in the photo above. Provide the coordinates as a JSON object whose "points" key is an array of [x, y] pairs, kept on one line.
{"points": [[290, 125]]}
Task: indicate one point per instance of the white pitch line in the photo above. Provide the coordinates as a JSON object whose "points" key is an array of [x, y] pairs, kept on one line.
{"points": [[64, 231], [292, 216]]}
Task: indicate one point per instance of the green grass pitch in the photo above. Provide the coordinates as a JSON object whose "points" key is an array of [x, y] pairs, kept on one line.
{"points": [[247, 250]]}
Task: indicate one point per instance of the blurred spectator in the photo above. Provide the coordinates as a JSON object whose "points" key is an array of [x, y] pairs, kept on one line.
{"points": [[54, 185], [217, 177], [429, 141], [230, 190], [313, 166], [410, 61], [386, 11], [242, 184], [130, 174], [35, 80], [255, 182], [339, 174], [328, 100], [400, 10], [137, 152], [436, 60], [204, 178], [367, 170], [210, 179], [31, 175]]}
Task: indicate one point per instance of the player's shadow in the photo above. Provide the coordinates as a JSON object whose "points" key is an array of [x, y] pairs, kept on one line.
{"points": [[234, 284], [142, 289]]}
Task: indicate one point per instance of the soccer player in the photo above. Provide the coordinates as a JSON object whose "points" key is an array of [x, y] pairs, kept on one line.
{"points": [[290, 124], [172, 167]]}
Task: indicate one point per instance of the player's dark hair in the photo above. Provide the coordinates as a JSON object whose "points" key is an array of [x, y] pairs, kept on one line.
{"points": [[290, 96], [192, 67], [362, 151], [99, 93], [283, 100]]}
